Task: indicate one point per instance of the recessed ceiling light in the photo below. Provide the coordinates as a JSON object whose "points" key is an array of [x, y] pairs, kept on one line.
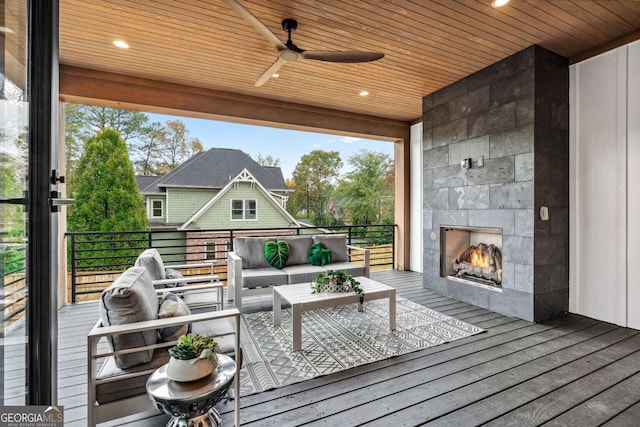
{"points": [[121, 44], [499, 3], [275, 75], [364, 93]]}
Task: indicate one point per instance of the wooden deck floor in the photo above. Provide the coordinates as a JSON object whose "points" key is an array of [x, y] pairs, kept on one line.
{"points": [[571, 371]]}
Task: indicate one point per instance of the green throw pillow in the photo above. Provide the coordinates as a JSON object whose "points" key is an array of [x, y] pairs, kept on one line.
{"points": [[277, 253], [319, 255]]}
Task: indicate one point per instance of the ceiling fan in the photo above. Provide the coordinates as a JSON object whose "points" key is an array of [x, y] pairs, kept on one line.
{"points": [[289, 52]]}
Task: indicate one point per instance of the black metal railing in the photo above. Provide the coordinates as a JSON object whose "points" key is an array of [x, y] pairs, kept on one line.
{"points": [[96, 258], [14, 284]]}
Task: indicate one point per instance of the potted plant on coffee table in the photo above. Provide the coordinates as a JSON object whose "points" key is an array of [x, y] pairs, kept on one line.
{"points": [[192, 358], [337, 281]]}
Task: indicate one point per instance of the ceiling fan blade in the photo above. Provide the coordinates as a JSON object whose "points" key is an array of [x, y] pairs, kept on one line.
{"points": [[257, 24], [349, 57], [269, 72]]}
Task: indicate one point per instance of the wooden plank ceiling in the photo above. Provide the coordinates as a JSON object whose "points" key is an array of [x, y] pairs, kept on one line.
{"points": [[427, 44]]}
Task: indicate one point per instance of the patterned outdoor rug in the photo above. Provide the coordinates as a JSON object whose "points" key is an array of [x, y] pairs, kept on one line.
{"points": [[337, 338]]}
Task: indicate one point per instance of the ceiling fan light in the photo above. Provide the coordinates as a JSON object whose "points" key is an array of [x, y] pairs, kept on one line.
{"points": [[499, 3], [121, 44]]}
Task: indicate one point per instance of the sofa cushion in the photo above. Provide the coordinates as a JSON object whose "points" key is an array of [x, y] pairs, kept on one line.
{"points": [[152, 261], [337, 243], [260, 277], [173, 306], [130, 298], [298, 248], [276, 252], [303, 273], [319, 255], [251, 250], [351, 268]]}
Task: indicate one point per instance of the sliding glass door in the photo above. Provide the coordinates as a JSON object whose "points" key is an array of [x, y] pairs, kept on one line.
{"points": [[28, 249], [14, 136]]}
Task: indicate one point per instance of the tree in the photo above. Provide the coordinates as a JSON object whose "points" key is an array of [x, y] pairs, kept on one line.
{"points": [[148, 151], [314, 178], [12, 185], [85, 121], [105, 190], [364, 194], [130, 124], [268, 160], [178, 146]]}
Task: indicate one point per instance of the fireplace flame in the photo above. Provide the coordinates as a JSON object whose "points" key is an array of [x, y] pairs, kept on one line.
{"points": [[479, 259]]}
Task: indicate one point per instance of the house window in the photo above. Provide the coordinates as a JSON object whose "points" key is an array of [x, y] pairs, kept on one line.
{"points": [[210, 250], [156, 209], [244, 209]]}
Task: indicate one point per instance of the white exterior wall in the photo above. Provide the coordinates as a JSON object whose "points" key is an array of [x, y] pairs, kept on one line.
{"points": [[415, 222], [604, 200]]}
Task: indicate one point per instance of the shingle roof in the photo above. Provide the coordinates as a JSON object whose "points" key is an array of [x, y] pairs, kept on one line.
{"points": [[145, 181], [215, 168]]}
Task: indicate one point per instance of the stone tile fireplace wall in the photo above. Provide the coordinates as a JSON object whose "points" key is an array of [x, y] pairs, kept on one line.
{"points": [[513, 117]]}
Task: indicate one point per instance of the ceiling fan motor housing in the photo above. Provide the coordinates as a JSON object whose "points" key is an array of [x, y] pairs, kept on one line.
{"points": [[289, 25], [289, 55]]}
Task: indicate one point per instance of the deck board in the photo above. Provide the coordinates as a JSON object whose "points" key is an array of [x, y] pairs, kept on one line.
{"points": [[571, 370]]}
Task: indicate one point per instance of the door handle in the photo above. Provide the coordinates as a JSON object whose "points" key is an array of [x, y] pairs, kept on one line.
{"points": [[55, 201]]}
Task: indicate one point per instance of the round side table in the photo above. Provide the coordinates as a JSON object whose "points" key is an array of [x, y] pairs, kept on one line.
{"points": [[191, 404]]}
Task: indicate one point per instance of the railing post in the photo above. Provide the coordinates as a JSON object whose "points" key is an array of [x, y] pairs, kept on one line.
{"points": [[73, 268], [349, 227], [393, 246], [149, 239]]}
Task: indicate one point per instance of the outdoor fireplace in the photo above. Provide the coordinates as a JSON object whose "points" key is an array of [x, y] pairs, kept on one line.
{"points": [[472, 255]]}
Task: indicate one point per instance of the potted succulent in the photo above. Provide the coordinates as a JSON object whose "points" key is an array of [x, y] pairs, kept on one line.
{"points": [[192, 358], [336, 281]]}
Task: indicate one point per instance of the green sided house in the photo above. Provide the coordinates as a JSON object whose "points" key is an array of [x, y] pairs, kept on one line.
{"points": [[219, 189]]}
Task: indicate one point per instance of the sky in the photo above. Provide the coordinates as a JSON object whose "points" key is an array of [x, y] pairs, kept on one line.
{"points": [[287, 145]]}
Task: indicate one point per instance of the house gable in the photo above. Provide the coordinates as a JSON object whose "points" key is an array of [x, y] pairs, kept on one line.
{"points": [[216, 213], [182, 203]]}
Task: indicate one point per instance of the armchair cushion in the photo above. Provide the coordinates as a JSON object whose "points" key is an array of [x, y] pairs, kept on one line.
{"points": [[130, 298], [173, 306], [336, 243], [152, 261], [110, 391], [170, 273]]}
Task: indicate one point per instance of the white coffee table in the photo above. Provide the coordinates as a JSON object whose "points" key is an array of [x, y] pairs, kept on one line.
{"points": [[301, 299]]}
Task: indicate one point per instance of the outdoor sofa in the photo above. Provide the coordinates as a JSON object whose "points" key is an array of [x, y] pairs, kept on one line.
{"points": [[249, 272], [129, 342]]}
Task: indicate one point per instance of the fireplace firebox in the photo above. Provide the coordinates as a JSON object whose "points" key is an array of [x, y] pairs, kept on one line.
{"points": [[472, 255]]}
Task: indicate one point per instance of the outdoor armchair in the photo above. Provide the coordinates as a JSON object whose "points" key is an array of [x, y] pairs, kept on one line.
{"points": [[126, 344]]}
